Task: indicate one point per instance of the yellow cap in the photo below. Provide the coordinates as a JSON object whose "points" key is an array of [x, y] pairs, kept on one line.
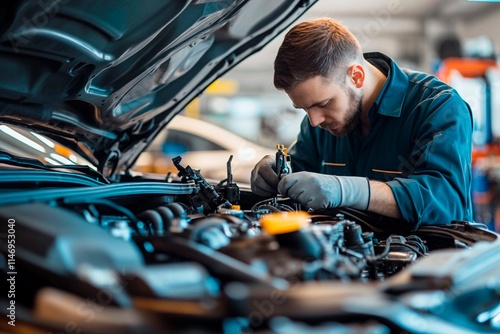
{"points": [[284, 222], [235, 207]]}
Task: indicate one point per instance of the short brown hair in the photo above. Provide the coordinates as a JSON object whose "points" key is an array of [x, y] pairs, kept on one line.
{"points": [[311, 48]]}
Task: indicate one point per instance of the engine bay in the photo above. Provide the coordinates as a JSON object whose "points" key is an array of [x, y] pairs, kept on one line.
{"points": [[185, 249]]}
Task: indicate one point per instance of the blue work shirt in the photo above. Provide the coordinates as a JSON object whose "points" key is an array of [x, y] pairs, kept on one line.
{"points": [[419, 144]]}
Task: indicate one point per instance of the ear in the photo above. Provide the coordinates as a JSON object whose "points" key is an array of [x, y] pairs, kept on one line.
{"points": [[356, 73]]}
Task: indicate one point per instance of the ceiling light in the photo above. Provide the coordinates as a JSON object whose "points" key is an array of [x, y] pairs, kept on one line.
{"points": [[22, 139]]}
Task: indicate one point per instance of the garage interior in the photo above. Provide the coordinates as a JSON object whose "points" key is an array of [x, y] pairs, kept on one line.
{"points": [[455, 40]]}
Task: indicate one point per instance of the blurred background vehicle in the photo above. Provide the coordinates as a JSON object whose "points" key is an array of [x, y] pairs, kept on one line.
{"points": [[203, 146]]}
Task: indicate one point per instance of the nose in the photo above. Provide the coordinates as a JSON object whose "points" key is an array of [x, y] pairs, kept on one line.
{"points": [[315, 119]]}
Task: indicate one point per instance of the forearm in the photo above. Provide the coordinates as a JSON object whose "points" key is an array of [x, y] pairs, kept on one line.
{"points": [[382, 200]]}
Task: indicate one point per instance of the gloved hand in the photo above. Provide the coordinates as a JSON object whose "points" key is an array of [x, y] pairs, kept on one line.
{"points": [[264, 180], [320, 191]]}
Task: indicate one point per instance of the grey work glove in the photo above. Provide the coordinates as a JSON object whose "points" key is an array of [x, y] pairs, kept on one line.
{"points": [[264, 180], [319, 191]]}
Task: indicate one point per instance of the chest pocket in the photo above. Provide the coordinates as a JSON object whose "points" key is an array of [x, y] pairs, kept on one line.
{"points": [[335, 168]]}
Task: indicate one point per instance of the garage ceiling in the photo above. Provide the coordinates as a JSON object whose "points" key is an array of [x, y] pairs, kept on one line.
{"points": [[396, 27]]}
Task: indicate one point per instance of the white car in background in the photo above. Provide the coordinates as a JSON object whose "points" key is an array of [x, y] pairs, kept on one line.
{"points": [[204, 146]]}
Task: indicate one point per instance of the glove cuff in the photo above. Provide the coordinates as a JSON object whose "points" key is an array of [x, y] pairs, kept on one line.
{"points": [[355, 192]]}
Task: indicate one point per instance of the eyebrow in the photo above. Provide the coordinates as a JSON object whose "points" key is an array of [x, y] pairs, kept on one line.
{"points": [[313, 105]]}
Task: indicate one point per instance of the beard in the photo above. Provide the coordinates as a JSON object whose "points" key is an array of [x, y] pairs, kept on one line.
{"points": [[352, 118]]}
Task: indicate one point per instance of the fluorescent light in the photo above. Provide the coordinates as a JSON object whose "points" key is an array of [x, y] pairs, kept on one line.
{"points": [[52, 162], [21, 138], [61, 159], [44, 140]]}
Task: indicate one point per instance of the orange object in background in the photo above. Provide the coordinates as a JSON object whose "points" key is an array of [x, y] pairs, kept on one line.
{"points": [[489, 150], [467, 67], [486, 185], [485, 158]]}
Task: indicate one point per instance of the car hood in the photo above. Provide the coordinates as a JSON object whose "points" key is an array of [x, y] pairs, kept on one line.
{"points": [[103, 77]]}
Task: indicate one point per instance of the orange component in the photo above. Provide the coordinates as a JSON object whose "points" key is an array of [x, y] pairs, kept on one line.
{"points": [[285, 222]]}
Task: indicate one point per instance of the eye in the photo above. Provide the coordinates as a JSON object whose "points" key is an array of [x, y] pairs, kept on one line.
{"points": [[324, 104]]}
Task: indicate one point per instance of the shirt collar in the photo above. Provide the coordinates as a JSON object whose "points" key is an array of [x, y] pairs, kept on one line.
{"points": [[390, 99]]}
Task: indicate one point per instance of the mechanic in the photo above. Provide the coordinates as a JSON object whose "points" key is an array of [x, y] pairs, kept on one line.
{"points": [[376, 137]]}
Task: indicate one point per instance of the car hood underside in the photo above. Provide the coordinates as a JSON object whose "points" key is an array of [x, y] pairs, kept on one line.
{"points": [[104, 77]]}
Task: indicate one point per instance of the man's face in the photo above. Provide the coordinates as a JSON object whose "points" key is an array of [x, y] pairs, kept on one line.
{"points": [[331, 106]]}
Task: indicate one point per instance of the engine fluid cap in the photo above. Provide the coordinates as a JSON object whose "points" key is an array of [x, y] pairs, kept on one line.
{"points": [[284, 222]]}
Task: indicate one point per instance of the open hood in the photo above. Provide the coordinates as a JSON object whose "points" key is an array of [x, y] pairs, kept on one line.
{"points": [[103, 77]]}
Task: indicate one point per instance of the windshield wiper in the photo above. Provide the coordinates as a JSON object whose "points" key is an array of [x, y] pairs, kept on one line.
{"points": [[14, 160]]}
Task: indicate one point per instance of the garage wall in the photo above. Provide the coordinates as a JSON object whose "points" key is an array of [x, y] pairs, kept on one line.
{"points": [[486, 25]]}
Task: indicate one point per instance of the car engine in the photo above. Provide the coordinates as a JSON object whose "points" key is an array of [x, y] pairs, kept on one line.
{"points": [[184, 248]]}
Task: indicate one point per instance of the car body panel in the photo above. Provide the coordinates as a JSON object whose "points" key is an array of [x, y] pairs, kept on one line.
{"points": [[104, 78]]}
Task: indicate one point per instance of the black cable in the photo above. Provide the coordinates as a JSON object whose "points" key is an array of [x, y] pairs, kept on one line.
{"points": [[418, 242], [408, 246], [285, 207], [279, 206], [379, 257], [387, 249], [256, 205]]}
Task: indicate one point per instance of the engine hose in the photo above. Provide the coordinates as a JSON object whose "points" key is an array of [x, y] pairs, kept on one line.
{"points": [[177, 209], [167, 215], [180, 221], [154, 220]]}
